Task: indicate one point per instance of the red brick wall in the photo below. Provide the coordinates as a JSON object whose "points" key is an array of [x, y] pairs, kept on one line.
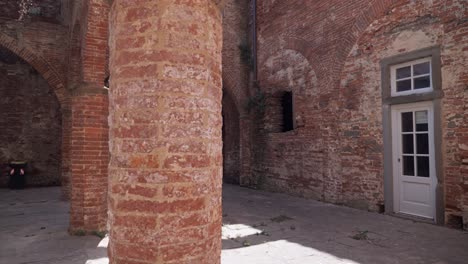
{"points": [[165, 132], [29, 122], [407, 28], [337, 154], [89, 155], [231, 141], [89, 159], [40, 9], [41, 44], [94, 43], [88, 37], [237, 71], [67, 45], [235, 37], [44, 46]]}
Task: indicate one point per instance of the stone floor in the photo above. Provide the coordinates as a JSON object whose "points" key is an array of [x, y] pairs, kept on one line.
{"points": [[259, 228], [33, 230], [266, 228]]}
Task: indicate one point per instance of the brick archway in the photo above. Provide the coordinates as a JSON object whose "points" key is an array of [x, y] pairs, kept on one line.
{"points": [[375, 10], [57, 84], [48, 72]]}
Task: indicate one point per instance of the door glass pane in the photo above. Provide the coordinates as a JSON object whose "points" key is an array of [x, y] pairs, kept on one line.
{"points": [[408, 144], [408, 165], [422, 122], [421, 68], [404, 72], [422, 143], [407, 122], [423, 166], [403, 85], [422, 82]]}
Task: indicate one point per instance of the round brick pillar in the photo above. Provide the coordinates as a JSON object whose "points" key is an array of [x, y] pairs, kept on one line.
{"points": [[165, 122]]}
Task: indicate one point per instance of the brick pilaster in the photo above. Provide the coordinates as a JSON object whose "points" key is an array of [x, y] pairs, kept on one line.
{"points": [[89, 157]]}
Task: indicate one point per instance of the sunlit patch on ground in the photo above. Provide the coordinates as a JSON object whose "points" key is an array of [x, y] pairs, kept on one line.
{"points": [[238, 231], [281, 251]]}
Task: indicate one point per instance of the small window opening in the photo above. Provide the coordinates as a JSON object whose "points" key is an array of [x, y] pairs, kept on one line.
{"points": [[287, 104]]}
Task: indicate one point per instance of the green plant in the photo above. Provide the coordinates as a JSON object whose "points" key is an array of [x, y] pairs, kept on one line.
{"points": [[79, 232], [100, 234]]}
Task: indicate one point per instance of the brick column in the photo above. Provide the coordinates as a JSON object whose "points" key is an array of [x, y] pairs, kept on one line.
{"points": [[66, 149], [165, 132], [89, 159]]}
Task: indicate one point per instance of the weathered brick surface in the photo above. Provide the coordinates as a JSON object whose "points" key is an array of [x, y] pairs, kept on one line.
{"points": [[237, 71], [408, 27], [41, 47], [66, 149], [231, 141], [166, 118], [332, 65], [88, 139], [67, 44], [165, 132], [235, 39], [94, 46], [29, 122], [89, 158], [40, 9]]}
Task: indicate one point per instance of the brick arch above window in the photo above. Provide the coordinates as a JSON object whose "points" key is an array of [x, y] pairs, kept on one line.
{"points": [[44, 67], [375, 10], [289, 70]]}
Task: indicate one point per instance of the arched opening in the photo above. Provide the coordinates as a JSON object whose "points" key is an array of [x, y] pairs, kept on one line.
{"points": [[56, 85], [30, 122], [231, 141]]}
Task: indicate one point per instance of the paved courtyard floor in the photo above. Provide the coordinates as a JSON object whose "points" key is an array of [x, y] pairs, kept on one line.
{"points": [[265, 228], [33, 230], [259, 228]]}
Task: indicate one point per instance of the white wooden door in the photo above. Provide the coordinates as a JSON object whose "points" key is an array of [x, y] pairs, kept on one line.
{"points": [[414, 159]]}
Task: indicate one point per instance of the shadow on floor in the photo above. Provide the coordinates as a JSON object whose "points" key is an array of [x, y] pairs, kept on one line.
{"points": [[261, 227]]}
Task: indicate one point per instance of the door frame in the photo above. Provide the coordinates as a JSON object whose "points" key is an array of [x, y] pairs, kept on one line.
{"points": [[388, 101], [389, 181], [396, 153]]}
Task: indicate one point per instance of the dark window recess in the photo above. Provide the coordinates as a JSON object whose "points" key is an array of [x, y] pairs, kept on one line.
{"points": [[287, 104]]}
